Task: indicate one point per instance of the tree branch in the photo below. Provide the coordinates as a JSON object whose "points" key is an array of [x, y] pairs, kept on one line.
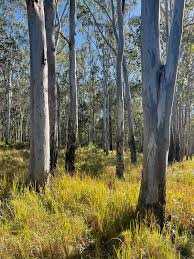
{"points": [[104, 8], [113, 22], [99, 29], [64, 37], [173, 50]]}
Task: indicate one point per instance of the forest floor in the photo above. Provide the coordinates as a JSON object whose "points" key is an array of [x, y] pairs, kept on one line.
{"points": [[92, 214]]}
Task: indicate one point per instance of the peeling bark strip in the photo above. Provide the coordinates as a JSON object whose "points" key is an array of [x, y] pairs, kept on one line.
{"points": [[39, 117], [73, 115], [50, 10], [158, 93]]}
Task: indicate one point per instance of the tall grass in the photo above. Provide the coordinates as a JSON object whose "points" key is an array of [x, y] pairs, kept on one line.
{"points": [[92, 214]]}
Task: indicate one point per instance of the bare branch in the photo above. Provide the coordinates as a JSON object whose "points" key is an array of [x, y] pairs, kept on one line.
{"points": [[104, 8], [113, 22], [62, 48], [64, 37], [99, 29], [59, 19]]}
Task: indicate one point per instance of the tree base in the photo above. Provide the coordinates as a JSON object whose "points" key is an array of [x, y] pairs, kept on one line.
{"points": [[151, 213], [70, 160]]}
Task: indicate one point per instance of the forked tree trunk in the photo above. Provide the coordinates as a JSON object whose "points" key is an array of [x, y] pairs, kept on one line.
{"points": [[39, 117], [73, 116], [131, 138], [50, 10], [158, 93], [120, 99]]}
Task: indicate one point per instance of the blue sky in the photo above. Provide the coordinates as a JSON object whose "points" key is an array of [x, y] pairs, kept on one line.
{"points": [[80, 39]]}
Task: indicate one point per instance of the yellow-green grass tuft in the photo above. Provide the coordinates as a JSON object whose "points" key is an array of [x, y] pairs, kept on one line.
{"points": [[92, 214]]}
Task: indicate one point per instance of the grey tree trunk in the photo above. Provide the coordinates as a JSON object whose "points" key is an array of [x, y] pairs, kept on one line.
{"points": [[110, 121], [120, 98], [176, 131], [131, 139], [73, 116], [21, 126], [182, 131], [8, 105], [106, 107], [39, 117], [50, 10], [158, 93]]}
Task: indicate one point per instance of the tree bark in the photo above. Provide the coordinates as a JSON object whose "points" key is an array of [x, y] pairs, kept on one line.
{"points": [[176, 131], [50, 10], [106, 107], [39, 117], [73, 116], [110, 122], [120, 99], [131, 138], [158, 93], [8, 105]]}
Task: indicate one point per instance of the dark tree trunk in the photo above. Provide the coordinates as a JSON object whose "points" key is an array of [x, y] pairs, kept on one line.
{"points": [[73, 116]]}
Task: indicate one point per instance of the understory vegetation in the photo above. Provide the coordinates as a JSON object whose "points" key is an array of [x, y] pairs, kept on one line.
{"points": [[91, 215]]}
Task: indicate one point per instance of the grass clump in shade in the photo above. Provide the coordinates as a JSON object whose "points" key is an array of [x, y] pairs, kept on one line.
{"points": [[90, 215]]}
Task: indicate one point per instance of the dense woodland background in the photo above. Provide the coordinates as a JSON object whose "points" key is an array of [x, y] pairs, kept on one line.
{"points": [[94, 94]]}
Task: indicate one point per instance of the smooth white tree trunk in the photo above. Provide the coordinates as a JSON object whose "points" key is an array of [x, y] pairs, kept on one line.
{"points": [[131, 138], [158, 93], [39, 117], [105, 106], [50, 10], [8, 105]]}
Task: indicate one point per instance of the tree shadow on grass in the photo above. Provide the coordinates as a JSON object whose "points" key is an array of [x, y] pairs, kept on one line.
{"points": [[105, 242], [92, 161]]}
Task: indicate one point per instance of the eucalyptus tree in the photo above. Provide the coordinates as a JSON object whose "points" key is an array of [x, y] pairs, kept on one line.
{"points": [[158, 94], [73, 110], [115, 19], [50, 14], [120, 96], [181, 137], [39, 114], [106, 107]]}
